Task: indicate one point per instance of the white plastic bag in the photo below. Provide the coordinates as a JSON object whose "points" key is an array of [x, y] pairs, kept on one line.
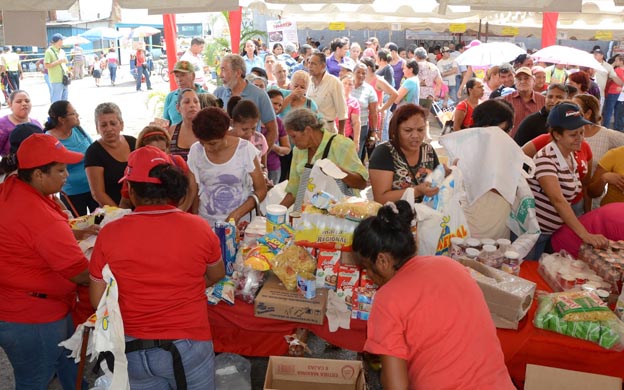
{"points": [[326, 177], [522, 220], [428, 225]]}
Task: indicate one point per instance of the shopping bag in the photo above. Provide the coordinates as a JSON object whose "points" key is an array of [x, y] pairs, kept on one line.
{"points": [[326, 177], [454, 223], [522, 220], [108, 334], [428, 224]]}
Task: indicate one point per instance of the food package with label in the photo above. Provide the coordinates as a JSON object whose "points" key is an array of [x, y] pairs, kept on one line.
{"points": [[564, 273], [580, 314], [317, 229], [259, 255], [348, 280], [292, 261], [607, 263], [327, 269], [354, 208], [362, 303]]}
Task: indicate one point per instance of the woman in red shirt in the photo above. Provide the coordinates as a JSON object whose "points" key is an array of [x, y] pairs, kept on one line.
{"points": [[429, 320], [161, 287], [462, 117], [41, 265]]}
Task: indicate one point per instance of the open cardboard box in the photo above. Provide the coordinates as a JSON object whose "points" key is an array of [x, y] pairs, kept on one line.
{"points": [[274, 301], [549, 378], [508, 297], [292, 373]]}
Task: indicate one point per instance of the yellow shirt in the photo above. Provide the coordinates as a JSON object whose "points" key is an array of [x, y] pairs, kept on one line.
{"points": [[613, 161]]}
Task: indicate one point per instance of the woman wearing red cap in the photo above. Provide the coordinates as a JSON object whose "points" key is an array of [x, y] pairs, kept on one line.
{"points": [[41, 264], [165, 315]]}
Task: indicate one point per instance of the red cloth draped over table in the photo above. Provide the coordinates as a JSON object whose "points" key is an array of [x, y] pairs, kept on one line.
{"points": [[235, 329]]}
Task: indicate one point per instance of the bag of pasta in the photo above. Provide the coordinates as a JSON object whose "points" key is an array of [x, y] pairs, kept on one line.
{"points": [[292, 261], [582, 315]]}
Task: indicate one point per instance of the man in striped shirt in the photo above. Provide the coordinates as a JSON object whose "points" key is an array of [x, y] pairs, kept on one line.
{"points": [[556, 182]]}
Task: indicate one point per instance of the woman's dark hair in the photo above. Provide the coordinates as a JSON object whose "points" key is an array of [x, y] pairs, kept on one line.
{"points": [[470, 84], [211, 123], [181, 94], [389, 232], [402, 114], [493, 112], [173, 186], [384, 55], [240, 109], [413, 65], [26, 174], [582, 79], [258, 71], [58, 109], [274, 92], [277, 45], [369, 62], [15, 93], [8, 163], [589, 102]]}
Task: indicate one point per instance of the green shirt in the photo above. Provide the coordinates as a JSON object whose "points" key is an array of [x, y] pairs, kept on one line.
{"points": [[342, 153], [56, 72]]}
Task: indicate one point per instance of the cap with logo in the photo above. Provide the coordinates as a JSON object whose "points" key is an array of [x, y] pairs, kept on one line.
{"points": [[567, 116], [41, 149], [183, 67], [142, 161]]}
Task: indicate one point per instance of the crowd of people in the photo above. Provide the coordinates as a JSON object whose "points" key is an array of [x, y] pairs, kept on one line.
{"points": [[276, 114]]}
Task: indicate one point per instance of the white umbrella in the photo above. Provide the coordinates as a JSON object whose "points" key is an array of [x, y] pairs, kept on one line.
{"points": [[145, 31], [557, 54], [101, 33], [75, 39], [492, 53]]}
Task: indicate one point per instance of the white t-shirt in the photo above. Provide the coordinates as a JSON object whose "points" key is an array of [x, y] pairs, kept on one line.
{"points": [[222, 187], [445, 66], [198, 64]]}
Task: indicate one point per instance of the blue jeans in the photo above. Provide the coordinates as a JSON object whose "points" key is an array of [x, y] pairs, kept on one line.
{"points": [[35, 355], [540, 246], [141, 71], [59, 92], [619, 116], [112, 69], [609, 108], [46, 78], [152, 369]]}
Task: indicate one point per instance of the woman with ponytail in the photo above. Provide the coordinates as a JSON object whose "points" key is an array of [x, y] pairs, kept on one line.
{"points": [[163, 260], [64, 124], [429, 321]]}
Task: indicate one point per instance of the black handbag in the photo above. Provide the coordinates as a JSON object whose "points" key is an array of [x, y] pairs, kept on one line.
{"points": [[66, 79]]}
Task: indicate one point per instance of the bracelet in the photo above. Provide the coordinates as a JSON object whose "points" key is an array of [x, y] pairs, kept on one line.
{"points": [[255, 198]]}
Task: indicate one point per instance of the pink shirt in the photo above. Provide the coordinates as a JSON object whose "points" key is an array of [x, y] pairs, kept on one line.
{"points": [[353, 107], [605, 220], [433, 315]]}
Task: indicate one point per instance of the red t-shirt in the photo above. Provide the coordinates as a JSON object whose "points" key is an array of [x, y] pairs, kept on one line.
{"points": [[39, 254], [605, 220], [467, 108], [613, 88], [433, 315], [158, 255], [582, 158]]}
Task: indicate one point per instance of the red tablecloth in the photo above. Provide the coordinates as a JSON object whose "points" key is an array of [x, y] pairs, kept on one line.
{"points": [[236, 329]]}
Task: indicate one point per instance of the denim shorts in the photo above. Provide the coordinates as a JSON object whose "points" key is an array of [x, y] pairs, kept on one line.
{"points": [[152, 369]]}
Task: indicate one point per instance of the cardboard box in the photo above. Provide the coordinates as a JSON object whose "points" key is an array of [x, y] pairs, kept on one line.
{"points": [[274, 301], [549, 378], [290, 373], [507, 296]]}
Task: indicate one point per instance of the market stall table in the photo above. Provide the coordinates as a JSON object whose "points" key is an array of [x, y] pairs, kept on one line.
{"points": [[235, 329]]}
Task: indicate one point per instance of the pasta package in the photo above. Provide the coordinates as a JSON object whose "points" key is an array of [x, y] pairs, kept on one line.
{"points": [[602, 328], [292, 261], [581, 306]]}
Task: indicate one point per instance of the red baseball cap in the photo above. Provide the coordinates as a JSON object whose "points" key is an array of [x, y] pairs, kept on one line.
{"points": [[142, 161], [41, 149]]}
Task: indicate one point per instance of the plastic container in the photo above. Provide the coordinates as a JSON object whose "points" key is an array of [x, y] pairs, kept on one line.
{"points": [[472, 253], [488, 241], [511, 262], [490, 256], [457, 249], [503, 244], [473, 243], [275, 216]]}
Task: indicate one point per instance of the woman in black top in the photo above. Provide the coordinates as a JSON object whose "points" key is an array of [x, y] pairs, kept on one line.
{"points": [[106, 159]]}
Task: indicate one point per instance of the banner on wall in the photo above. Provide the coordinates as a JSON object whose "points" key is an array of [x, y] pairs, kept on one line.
{"points": [[281, 31]]}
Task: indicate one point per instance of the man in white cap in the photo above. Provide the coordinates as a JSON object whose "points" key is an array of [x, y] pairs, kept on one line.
{"points": [[55, 62], [608, 74], [524, 100]]}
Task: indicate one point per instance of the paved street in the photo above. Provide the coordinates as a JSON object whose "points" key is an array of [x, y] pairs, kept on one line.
{"points": [[85, 96]]}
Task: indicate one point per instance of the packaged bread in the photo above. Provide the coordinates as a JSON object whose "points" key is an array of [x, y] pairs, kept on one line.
{"points": [[354, 208]]}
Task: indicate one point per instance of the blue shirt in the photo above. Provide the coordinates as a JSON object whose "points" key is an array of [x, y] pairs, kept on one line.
{"points": [[170, 111], [77, 182], [252, 63], [413, 90], [333, 66], [256, 95]]}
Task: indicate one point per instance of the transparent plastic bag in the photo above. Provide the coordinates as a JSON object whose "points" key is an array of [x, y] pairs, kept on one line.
{"points": [[232, 372]]}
